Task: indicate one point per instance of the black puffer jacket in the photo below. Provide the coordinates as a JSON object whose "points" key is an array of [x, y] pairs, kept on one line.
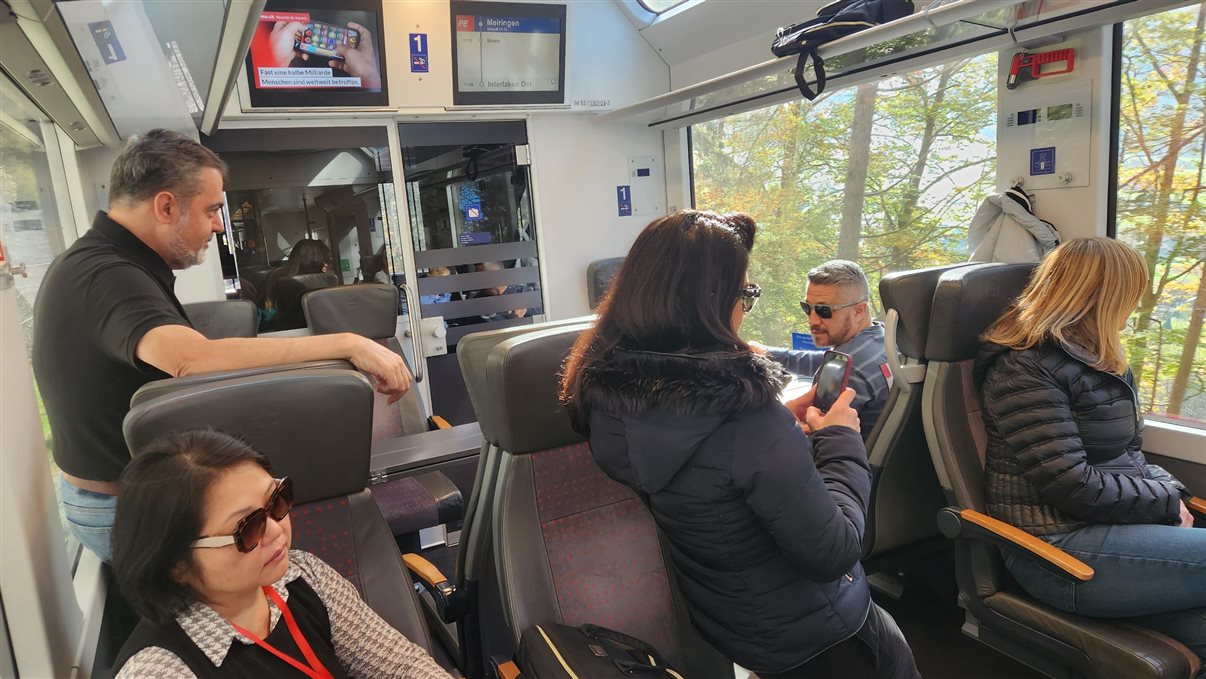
{"points": [[765, 528], [1064, 444]]}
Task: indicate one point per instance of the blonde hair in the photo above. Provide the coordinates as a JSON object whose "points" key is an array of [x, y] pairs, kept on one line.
{"points": [[1081, 294]]}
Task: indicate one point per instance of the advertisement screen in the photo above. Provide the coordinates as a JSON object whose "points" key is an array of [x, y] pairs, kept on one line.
{"points": [[315, 53], [508, 53]]}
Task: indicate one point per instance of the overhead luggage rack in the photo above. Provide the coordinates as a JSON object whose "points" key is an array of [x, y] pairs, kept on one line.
{"points": [[934, 34]]}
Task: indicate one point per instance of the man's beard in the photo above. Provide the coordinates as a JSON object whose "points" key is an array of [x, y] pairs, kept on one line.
{"points": [[182, 257]]}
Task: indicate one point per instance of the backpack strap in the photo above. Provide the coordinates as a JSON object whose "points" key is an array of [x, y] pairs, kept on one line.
{"points": [[809, 53]]}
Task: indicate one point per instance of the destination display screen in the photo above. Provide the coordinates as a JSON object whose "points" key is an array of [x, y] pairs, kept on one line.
{"points": [[508, 53]]}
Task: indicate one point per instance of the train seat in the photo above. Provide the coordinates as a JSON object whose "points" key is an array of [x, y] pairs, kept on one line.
{"points": [[222, 319], [905, 495], [289, 293], [966, 301], [598, 278], [315, 427], [369, 310], [571, 545]]}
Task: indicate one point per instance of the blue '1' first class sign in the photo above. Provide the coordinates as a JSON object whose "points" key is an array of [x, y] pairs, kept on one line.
{"points": [[624, 200], [418, 53]]}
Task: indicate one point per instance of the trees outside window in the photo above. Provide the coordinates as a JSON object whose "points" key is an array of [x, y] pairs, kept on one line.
{"points": [[887, 174], [1161, 207]]}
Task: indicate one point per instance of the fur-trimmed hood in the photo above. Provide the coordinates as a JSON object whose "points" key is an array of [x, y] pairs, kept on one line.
{"points": [[670, 403]]}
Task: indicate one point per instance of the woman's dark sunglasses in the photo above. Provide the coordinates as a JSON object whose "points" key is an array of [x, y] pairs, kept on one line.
{"points": [[825, 311], [749, 296], [250, 529]]}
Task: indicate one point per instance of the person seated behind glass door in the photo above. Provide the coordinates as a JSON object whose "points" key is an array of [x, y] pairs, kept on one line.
{"points": [[201, 549], [837, 303]]}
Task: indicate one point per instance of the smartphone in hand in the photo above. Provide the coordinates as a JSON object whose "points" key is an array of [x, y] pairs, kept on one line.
{"points": [[831, 379]]}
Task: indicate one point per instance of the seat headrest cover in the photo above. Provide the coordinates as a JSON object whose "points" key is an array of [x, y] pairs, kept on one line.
{"points": [[158, 388], [218, 320], [523, 376], [314, 426], [369, 310], [911, 293], [296, 285], [598, 278], [472, 353], [967, 301]]}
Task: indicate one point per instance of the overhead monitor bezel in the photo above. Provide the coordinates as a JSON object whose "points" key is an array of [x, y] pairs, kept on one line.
{"points": [[507, 9], [324, 98]]}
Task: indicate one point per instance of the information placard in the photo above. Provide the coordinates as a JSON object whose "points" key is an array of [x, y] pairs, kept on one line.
{"points": [[508, 53]]}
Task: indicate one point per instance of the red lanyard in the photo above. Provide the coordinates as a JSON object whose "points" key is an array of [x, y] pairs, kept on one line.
{"points": [[315, 670]]}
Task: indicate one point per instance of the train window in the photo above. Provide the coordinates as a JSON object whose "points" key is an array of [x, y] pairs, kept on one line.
{"points": [[659, 6], [1160, 207], [887, 174], [30, 230]]}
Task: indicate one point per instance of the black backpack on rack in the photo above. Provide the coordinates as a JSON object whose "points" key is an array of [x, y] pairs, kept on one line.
{"points": [[835, 20]]}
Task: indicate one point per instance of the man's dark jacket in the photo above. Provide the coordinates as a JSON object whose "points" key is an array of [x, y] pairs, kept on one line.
{"points": [[1064, 442], [765, 528]]}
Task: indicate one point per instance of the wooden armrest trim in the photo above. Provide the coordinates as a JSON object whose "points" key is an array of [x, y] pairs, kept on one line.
{"points": [[508, 670], [440, 422], [1196, 504], [1065, 561], [425, 569]]}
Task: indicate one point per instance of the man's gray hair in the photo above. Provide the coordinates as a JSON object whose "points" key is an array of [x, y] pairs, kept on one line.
{"points": [[160, 160], [841, 273]]}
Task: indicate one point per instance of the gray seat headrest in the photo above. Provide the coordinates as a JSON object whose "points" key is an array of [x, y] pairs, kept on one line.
{"points": [[314, 426], [158, 388], [967, 301], [369, 310], [523, 377], [228, 318], [473, 353], [911, 294], [598, 278]]}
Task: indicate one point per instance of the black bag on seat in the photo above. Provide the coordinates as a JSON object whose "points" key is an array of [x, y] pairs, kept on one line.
{"points": [[835, 20], [554, 651]]}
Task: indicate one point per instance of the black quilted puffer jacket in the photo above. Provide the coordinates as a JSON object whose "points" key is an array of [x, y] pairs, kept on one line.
{"points": [[1064, 444]]}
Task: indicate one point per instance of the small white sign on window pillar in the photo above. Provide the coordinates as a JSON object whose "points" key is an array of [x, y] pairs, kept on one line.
{"points": [[1043, 134], [648, 185]]}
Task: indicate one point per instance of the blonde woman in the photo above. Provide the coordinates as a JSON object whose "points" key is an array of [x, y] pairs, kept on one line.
{"points": [[1063, 459]]}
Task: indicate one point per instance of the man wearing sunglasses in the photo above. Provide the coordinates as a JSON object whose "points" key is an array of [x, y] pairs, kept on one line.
{"points": [[837, 304]]}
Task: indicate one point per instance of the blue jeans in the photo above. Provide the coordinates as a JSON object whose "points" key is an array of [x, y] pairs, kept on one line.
{"points": [[1152, 575], [89, 517]]}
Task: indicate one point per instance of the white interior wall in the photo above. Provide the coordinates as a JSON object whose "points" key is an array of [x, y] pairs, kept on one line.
{"points": [[578, 165]]}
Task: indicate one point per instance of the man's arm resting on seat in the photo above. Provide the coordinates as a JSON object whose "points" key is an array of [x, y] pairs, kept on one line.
{"points": [[179, 351]]}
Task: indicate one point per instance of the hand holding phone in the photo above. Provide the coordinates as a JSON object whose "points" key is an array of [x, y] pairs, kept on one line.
{"points": [[323, 40], [840, 414], [831, 379]]}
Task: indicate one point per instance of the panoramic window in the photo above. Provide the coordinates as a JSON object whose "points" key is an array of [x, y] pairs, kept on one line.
{"points": [[659, 6], [1161, 163], [887, 174]]}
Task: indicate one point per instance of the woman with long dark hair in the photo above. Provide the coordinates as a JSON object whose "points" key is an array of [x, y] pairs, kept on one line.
{"points": [[1063, 459], [201, 550], [765, 523]]}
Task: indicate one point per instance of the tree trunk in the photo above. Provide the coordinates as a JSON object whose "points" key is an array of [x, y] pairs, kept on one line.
{"points": [[1193, 336], [856, 171]]}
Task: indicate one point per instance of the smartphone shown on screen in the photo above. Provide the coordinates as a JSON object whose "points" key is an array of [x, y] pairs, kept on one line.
{"points": [[831, 379], [320, 39]]}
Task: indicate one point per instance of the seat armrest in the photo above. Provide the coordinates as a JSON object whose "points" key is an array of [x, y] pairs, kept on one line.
{"points": [[436, 422], [1197, 505], [450, 603], [968, 524], [505, 669]]}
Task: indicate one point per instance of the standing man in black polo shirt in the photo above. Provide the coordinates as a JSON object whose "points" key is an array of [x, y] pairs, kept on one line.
{"points": [[107, 321]]}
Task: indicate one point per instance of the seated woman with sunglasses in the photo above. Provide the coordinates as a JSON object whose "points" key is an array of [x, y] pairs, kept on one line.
{"points": [[765, 525], [201, 551]]}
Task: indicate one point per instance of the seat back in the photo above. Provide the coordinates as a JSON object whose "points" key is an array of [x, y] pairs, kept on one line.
{"points": [[289, 293], [571, 545], [598, 278], [966, 301], [369, 310], [314, 426], [227, 318], [905, 495]]}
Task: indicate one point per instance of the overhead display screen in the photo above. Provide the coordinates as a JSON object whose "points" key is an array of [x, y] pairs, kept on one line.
{"points": [[508, 53], [318, 53]]}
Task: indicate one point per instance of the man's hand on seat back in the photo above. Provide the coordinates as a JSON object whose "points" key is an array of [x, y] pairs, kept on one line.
{"points": [[388, 370]]}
